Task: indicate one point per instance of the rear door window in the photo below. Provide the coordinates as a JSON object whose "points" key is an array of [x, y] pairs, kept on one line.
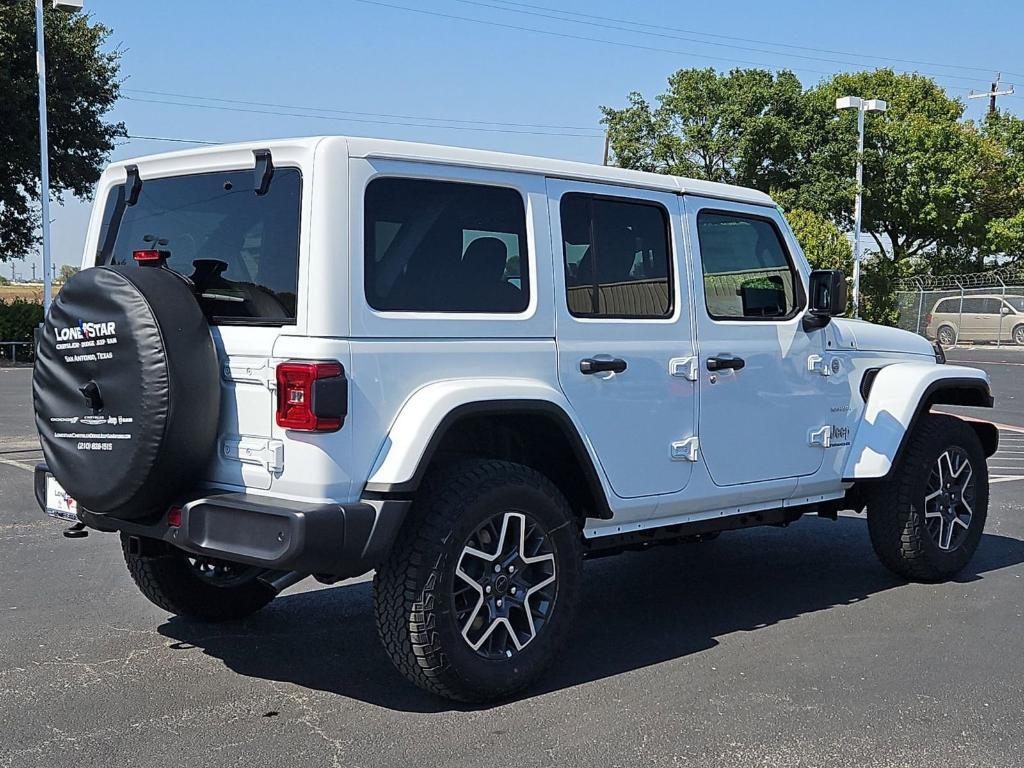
{"points": [[441, 246], [240, 249]]}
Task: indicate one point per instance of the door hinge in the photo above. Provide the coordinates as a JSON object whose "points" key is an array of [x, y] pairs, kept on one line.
{"points": [[822, 437], [250, 370], [685, 450], [818, 364], [684, 367], [268, 454]]}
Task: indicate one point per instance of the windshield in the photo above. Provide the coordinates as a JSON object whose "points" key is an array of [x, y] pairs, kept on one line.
{"points": [[240, 249]]}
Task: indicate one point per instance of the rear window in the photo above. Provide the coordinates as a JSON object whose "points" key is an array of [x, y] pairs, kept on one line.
{"points": [[240, 249], [441, 246]]}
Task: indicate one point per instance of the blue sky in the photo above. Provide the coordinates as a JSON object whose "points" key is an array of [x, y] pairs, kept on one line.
{"points": [[384, 57]]}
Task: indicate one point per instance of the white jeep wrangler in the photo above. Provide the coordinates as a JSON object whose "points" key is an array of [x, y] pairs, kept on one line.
{"points": [[468, 371]]}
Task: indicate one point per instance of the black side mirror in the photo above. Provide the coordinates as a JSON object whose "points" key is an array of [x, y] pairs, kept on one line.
{"points": [[827, 297]]}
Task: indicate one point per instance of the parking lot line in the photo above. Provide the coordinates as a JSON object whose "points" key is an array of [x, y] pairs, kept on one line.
{"points": [[18, 464]]}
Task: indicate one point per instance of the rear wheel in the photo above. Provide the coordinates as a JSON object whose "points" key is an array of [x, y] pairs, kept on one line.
{"points": [[946, 336], [926, 522], [482, 584], [195, 586]]}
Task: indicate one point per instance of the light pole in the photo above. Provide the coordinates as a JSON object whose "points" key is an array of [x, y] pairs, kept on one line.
{"points": [[862, 106], [44, 150]]}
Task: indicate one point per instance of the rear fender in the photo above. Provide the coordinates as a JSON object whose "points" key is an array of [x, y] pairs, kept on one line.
{"points": [[900, 393], [423, 419]]}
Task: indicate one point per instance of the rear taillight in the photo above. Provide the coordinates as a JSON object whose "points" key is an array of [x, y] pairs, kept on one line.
{"points": [[174, 517], [311, 396]]}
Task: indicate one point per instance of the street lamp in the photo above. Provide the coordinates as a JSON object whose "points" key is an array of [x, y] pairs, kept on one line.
{"points": [[44, 150], [862, 106]]}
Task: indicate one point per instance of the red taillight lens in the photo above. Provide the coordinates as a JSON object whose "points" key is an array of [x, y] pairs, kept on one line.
{"points": [[174, 517], [311, 397], [149, 255]]}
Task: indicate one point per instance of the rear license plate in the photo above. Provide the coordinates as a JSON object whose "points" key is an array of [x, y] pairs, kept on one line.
{"points": [[58, 503]]}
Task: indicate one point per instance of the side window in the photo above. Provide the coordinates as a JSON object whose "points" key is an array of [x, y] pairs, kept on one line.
{"points": [[617, 257], [974, 306], [441, 246], [993, 306], [747, 273]]}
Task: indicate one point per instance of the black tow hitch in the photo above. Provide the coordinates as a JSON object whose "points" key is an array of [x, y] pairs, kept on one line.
{"points": [[75, 531]]}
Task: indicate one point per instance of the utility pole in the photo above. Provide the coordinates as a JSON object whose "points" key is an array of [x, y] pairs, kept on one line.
{"points": [[992, 93], [606, 147], [33, 271]]}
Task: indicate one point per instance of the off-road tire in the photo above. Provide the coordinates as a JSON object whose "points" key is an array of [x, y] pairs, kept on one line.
{"points": [[413, 589], [896, 509], [168, 582]]}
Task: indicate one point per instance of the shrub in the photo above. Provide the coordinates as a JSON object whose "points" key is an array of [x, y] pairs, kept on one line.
{"points": [[18, 321]]}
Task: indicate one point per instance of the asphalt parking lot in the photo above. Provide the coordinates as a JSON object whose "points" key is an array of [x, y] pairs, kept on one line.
{"points": [[773, 647]]}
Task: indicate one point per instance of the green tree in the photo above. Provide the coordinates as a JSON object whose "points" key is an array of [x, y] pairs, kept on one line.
{"points": [[739, 128], [82, 86], [823, 243], [925, 168], [1004, 204], [66, 272]]}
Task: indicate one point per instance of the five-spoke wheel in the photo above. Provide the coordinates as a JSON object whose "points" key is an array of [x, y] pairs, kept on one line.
{"points": [[949, 504], [505, 585]]}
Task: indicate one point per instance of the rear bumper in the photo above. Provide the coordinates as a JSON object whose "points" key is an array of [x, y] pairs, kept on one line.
{"points": [[340, 540]]}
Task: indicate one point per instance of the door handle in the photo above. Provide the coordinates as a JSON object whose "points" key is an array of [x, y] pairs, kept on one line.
{"points": [[725, 362], [589, 365]]}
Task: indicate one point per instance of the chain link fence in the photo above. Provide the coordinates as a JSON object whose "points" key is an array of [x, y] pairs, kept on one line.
{"points": [[957, 310]]}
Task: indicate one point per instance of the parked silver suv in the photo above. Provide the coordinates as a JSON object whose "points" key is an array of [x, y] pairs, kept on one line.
{"points": [[988, 317]]}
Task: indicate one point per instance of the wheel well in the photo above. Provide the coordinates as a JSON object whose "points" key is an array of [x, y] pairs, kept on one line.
{"points": [[535, 438]]}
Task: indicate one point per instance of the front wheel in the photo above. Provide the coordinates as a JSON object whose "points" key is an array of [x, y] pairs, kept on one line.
{"points": [[197, 587], [1018, 335], [481, 586], [926, 522]]}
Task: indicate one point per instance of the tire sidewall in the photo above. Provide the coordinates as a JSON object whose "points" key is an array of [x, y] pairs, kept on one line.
{"points": [[942, 332], [496, 676]]}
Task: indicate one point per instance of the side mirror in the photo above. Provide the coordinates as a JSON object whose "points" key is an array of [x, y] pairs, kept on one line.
{"points": [[827, 299], [1004, 311]]}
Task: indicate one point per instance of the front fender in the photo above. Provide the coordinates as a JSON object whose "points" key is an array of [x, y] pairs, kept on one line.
{"points": [[900, 393], [423, 418]]}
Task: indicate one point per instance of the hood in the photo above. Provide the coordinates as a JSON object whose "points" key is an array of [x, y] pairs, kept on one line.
{"points": [[861, 335]]}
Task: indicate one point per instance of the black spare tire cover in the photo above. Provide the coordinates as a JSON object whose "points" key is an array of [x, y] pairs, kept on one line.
{"points": [[126, 389]]}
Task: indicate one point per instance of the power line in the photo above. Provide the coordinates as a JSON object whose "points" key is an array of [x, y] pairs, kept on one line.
{"points": [[621, 43], [992, 93], [136, 137], [359, 120], [351, 112], [747, 39]]}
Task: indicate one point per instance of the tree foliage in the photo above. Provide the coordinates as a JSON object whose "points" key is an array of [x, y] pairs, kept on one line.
{"points": [[82, 85], [823, 243], [941, 193]]}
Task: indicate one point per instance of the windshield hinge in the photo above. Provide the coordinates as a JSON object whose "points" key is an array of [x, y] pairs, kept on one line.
{"points": [[264, 171]]}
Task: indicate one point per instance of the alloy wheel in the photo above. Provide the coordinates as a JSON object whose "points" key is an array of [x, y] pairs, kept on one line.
{"points": [[949, 499], [505, 586]]}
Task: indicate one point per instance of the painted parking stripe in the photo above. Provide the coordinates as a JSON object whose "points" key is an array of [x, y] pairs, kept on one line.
{"points": [[1005, 479], [18, 464]]}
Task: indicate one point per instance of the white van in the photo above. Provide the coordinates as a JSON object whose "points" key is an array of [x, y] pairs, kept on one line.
{"points": [[468, 371]]}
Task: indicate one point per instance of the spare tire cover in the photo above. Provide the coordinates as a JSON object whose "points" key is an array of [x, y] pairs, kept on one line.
{"points": [[126, 389]]}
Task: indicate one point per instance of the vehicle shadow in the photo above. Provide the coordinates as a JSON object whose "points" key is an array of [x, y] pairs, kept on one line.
{"points": [[637, 610]]}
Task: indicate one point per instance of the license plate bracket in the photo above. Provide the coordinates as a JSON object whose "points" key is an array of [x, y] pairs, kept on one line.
{"points": [[59, 504]]}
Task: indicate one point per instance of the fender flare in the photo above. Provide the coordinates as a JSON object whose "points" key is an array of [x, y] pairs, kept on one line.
{"points": [[424, 419], [899, 394]]}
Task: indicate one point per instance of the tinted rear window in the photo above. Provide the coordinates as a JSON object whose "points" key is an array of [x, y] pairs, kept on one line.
{"points": [[440, 246], [239, 248]]}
